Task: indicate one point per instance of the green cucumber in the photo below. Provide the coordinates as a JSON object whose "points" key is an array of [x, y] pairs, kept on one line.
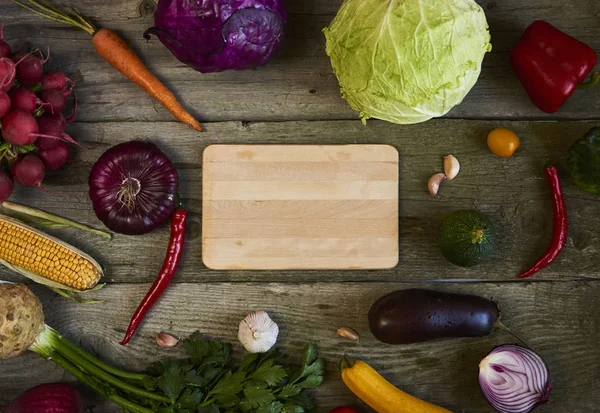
{"points": [[467, 238]]}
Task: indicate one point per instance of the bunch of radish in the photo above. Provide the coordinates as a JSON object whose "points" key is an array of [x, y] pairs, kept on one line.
{"points": [[32, 134]]}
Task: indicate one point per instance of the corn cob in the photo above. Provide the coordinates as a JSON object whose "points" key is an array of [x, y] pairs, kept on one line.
{"points": [[45, 259]]}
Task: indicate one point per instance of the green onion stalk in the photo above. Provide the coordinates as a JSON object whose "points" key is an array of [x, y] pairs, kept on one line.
{"points": [[22, 328]]}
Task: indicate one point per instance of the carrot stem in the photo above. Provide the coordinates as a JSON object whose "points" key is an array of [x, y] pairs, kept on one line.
{"points": [[48, 11]]}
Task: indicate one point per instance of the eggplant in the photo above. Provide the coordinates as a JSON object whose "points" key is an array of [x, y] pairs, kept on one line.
{"points": [[415, 315]]}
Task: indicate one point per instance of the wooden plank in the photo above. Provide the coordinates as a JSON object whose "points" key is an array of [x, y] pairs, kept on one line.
{"points": [[555, 319], [298, 83], [311, 241], [513, 192]]}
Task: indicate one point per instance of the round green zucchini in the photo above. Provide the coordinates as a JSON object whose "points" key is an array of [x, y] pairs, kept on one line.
{"points": [[467, 238]]}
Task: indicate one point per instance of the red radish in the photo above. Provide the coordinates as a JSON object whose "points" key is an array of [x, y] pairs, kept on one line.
{"points": [[55, 99], [55, 81], [5, 50], [8, 71], [6, 186], [52, 128], [19, 127], [4, 104], [23, 98], [56, 156], [49, 398], [28, 170], [30, 69], [51, 125], [74, 114]]}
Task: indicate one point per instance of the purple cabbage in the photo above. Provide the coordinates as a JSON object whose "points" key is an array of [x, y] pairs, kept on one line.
{"points": [[217, 35]]}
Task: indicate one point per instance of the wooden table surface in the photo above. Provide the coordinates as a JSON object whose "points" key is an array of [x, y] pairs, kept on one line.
{"points": [[295, 99]]}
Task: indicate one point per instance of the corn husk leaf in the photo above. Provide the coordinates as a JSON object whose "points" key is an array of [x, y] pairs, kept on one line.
{"points": [[71, 295], [45, 220]]}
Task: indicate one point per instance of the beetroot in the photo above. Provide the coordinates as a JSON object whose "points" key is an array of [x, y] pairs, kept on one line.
{"points": [[49, 398], [6, 186], [56, 156], [5, 50], [55, 99], [28, 170], [19, 127], [4, 104], [8, 71], [23, 98], [30, 69], [54, 81]]}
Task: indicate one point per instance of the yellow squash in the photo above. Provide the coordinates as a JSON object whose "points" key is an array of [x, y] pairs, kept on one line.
{"points": [[379, 393], [45, 259]]}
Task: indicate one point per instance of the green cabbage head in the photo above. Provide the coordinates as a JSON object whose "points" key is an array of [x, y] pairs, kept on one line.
{"points": [[407, 61]]}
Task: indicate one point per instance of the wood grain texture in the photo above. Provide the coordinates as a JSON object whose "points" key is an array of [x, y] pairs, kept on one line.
{"points": [[512, 191], [298, 84], [274, 238], [555, 319]]}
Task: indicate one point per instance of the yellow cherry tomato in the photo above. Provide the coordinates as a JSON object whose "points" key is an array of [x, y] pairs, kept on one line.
{"points": [[503, 142]]}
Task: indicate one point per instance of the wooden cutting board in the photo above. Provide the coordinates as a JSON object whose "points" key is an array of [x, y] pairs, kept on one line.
{"points": [[300, 207]]}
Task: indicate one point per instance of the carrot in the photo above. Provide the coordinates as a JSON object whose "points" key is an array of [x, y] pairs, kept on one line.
{"points": [[112, 48], [115, 50]]}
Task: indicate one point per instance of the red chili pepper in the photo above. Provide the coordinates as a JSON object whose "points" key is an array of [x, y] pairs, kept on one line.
{"points": [[560, 230], [550, 64], [166, 274]]}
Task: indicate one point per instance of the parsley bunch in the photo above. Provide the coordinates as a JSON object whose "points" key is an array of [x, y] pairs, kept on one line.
{"points": [[206, 381]]}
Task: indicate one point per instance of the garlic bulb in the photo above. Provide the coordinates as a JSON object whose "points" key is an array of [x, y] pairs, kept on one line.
{"points": [[258, 333]]}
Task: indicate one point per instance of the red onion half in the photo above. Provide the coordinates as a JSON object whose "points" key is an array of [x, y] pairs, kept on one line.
{"points": [[48, 398], [133, 188], [514, 379]]}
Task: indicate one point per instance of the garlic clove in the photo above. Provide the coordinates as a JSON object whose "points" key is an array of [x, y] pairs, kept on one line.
{"points": [[451, 166], [257, 332], [166, 340], [347, 332], [434, 183]]}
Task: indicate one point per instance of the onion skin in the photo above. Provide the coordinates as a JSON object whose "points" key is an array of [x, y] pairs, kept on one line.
{"points": [[514, 379], [149, 181], [48, 398]]}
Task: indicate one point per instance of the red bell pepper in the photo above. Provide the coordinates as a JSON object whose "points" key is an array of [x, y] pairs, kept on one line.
{"points": [[550, 64]]}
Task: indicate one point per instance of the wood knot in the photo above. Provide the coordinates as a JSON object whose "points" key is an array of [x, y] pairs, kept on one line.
{"points": [[147, 8]]}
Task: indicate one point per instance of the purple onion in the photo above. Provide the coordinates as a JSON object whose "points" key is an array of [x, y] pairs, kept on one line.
{"points": [[514, 379], [133, 188]]}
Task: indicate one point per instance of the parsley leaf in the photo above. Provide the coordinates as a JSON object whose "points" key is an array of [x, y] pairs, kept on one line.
{"points": [[314, 380], [258, 395], [190, 399], [275, 407], [212, 408], [248, 361], [172, 381], [309, 355], [289, 390], [229, 384], [272, 375], [291, 408]]}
